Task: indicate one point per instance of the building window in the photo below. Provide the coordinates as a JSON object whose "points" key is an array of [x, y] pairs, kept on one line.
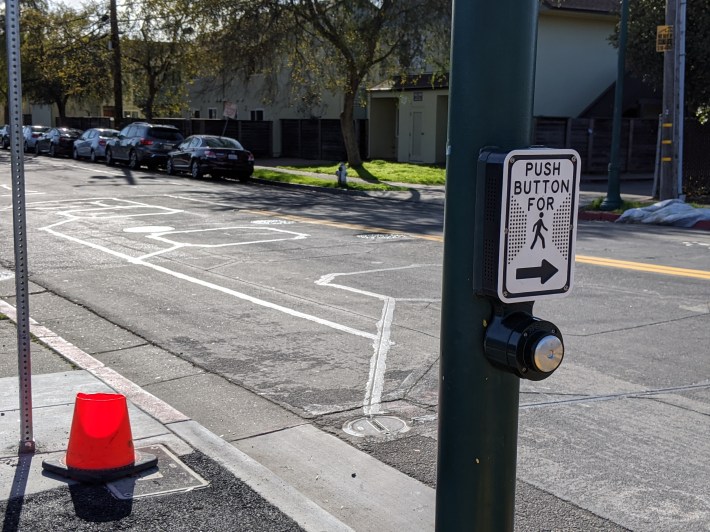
{"points": [[212, 112], [195, 113], [257, 115]]}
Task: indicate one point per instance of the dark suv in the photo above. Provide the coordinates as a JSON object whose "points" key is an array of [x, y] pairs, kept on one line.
{"points": [[141, 143]]}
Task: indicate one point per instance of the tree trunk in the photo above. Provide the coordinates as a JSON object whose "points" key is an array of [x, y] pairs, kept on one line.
{"points": [[62, 107], [347, 126]]}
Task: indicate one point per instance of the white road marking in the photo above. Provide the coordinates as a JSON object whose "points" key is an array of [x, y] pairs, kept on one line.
{"points": [[149, 229], [27, 192], [103, 209], [139, 261], [372, 404]]}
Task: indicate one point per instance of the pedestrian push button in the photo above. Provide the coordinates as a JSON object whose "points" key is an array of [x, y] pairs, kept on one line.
{"points": [[524, 345]]}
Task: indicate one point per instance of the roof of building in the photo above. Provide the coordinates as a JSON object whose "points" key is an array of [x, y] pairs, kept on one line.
{"points": [[588, 6], [414, 82]]}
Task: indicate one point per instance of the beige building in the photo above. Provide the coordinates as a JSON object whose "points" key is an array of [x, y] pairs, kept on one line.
{"points": [[264, 99], [575, 64]]}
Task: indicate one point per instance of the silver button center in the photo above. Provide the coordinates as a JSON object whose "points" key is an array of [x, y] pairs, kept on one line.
{"points": [[548, 354]]}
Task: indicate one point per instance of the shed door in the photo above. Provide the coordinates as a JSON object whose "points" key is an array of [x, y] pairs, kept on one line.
{"points": [[416, 151]]}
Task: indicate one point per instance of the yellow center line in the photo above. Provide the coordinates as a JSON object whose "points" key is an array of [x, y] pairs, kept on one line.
{"points": [[642, 267], [584, 259]]}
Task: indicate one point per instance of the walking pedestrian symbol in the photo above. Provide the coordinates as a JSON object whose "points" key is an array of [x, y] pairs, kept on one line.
{"points": [[538, 227], [538, 224]]}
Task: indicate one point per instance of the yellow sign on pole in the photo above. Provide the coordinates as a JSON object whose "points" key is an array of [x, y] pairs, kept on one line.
{"points": [[664, 38]]}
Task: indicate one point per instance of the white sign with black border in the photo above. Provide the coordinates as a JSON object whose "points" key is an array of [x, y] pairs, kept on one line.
{"points": [[538, 224]]}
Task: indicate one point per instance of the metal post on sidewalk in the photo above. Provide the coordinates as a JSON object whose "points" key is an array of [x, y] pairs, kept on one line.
{"points": [[491, 99], [613, 195], [12, 33]]}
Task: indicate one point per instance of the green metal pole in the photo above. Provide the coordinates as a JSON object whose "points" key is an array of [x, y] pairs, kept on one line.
{"points": [[613, 195], [491, 99]]}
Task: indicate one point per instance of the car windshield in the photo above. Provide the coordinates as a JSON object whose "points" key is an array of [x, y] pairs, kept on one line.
{"points": [[165, 134], [222, 142], [70, 132], [108, 133], [40, 129]]}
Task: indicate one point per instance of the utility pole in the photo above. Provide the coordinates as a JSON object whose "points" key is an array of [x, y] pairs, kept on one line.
{"points": [[679, 95], [669, 121], [117, 80]]}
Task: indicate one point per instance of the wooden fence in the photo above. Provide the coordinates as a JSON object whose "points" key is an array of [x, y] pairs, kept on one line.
{"points": [[318, 139], [591, 137]]}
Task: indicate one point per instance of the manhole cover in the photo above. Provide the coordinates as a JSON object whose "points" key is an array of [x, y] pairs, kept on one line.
{"points": [[375, 426], [381, 236], [272, 222], [170, 476]]}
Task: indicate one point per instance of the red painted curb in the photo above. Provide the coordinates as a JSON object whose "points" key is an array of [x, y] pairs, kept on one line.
{"points": [[598, 216]]}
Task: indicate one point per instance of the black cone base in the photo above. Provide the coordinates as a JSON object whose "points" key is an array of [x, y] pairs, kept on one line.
{"points": [[59, 466]]}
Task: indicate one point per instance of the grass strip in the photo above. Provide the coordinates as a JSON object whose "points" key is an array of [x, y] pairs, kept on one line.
{"points": [[377, 171], [275, 175]]}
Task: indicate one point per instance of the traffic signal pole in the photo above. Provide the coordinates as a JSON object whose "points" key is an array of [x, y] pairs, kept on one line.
{"points": [[491, 99]]}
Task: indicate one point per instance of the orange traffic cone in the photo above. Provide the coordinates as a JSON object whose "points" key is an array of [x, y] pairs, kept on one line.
{"points": [[100, 442]]}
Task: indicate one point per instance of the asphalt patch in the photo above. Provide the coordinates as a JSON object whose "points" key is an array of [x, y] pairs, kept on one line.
{"points": [[226, 504]]}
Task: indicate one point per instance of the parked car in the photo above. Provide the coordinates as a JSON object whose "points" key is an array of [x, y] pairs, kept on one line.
{"points": [[57, 141], [31, 134], [208, 154], [140, 144], [92, 143], [5, 136]]}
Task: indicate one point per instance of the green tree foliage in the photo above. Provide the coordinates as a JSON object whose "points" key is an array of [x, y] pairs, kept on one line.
{"points": [[64, 56], [159, 53], [646, 63], [336, 45]]}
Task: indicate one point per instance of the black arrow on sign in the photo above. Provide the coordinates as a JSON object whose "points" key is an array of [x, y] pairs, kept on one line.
{"points": [[545, 272]]}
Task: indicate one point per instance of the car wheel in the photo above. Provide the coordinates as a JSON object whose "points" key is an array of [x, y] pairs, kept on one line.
{"points": [[36, 150], [52, 150], [109, 158], [243, 177], [133, 163], [92, 156], [195, 170], [169, 167]]}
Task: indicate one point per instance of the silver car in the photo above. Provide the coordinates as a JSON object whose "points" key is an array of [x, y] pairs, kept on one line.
{"points": [[31, 134], [92, 143]]}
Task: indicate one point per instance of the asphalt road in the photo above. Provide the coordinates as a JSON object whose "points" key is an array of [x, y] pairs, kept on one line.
{"points": [[325, 307]]}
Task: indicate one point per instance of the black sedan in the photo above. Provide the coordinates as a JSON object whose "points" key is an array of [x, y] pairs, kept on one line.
{"points": [[57, 141], [209, 154]]}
